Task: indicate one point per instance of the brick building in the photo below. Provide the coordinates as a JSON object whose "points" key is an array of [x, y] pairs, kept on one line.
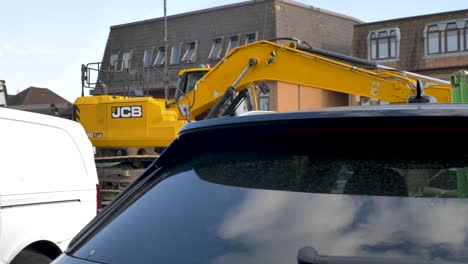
{"points": [[205, 36], [434, 44]]}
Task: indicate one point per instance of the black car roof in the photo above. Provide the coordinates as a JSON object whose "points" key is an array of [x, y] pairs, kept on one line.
{"points": [[220, 130], [335, 112]]}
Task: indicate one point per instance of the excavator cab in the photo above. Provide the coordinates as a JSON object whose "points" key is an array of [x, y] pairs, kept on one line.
{"points": [[188, 79]]}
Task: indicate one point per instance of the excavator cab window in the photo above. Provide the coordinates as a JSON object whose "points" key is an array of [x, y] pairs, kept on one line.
{"points": [[187, 81]]}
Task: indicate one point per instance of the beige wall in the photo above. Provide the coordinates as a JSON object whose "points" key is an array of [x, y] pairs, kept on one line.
{"points": [[331, 99], [287, 99], [291, 97], [310, 98]]}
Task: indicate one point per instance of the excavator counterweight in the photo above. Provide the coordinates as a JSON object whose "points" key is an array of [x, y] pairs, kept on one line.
{"points": [[118, 121]]}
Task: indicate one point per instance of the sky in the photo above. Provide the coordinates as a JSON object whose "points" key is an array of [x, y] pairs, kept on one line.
{"points": [[43, 43]]}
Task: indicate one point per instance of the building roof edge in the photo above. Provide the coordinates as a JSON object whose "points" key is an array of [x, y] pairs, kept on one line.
{"points": [[201, 11], [320, 10], [411, 17]]}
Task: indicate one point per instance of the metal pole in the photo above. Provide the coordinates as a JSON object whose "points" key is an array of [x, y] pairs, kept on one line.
{"points": [[3, 93], [166, 63]]}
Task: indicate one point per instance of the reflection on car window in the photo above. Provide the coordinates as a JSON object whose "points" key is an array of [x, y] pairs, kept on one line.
{"points": [[434, 178]]}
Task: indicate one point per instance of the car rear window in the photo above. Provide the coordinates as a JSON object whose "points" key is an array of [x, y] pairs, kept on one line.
{"points": [[258, 205], [302, 173]]}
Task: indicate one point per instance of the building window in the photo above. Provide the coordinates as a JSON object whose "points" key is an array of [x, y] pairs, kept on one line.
{"points": [[233, 42], [216, 47], [452, 40], [433, 40], [393, 44], [161, 57], [249, 38], [446, 37], [148, 57], [466, 36], [190, 51], [126, 57], [264, 101], [175, 54], [383, 44], [373, 46], [114, 62]]}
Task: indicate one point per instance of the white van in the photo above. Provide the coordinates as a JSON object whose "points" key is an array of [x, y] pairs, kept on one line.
{"points": [[48, 185]]}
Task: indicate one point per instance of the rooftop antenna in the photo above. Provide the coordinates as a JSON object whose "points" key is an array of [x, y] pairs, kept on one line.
{"points": [[420, 97], [166, 64]]}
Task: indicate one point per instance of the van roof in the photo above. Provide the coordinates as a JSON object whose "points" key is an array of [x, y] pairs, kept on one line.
{"points": [[24, 116]]}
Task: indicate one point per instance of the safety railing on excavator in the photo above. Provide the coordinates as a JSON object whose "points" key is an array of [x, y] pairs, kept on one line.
{"points": [[123, 78]]}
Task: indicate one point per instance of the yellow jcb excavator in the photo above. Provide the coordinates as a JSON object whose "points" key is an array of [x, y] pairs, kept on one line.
{"points": [[122, 121]]}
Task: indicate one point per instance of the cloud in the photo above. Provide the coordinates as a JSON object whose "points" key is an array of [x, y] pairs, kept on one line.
{"points": [[278, 224]]}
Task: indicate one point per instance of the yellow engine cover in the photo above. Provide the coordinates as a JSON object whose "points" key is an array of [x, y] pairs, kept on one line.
{"points": [[117, 121]]}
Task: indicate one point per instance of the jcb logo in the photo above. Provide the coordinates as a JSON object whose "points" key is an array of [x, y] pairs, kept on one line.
{"points": [[127, 111]]}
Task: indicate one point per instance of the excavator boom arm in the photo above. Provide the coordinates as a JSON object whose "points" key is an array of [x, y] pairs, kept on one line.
{"points": [[277, 62]]}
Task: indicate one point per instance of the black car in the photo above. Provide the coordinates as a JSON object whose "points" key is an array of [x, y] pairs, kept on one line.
{"points": [[347, 185]]}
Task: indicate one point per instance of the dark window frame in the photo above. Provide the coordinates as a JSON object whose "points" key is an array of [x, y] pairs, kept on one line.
{"points": [[262, 97], [148, 61], [229, 46], [465, 36], [187, 47], [247, 37], [211, 55], [115, 62], [175, 60], [452, 29], [125, 65], [382, 40], [373, 49], [439, 33], [446, 31], [390, 35], [160, 58]]}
